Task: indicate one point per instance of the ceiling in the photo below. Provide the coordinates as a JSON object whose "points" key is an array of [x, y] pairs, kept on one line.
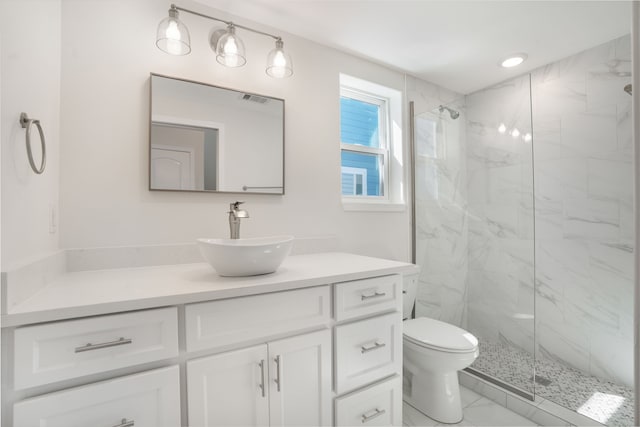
{"points": [[455, 44]]}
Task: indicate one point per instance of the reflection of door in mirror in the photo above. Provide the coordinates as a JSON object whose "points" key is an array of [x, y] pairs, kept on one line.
{"points": [[172, 168], [184, 157]]}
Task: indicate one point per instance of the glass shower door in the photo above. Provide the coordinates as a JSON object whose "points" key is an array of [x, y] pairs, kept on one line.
{"points": [[474, 238], [500, 287]]}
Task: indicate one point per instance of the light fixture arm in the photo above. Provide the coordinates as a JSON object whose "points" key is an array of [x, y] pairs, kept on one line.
{"points": [[173, 6]]}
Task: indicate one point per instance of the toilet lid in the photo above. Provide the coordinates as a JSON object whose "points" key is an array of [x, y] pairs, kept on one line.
{"points": [[438, 335]]}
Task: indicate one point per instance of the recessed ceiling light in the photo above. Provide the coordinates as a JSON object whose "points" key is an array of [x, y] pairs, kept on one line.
{"points": [[513, 60]]}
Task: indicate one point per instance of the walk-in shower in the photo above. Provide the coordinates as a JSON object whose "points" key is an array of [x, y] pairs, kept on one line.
{"points": [[524, 230]]}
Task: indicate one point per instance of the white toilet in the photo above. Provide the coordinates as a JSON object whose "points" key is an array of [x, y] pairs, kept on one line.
{"points": [[434, 352]]}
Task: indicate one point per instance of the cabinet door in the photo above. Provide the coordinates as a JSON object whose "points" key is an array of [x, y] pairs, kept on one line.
{"points": [[300, 380], [149, 399], [229, 389]]}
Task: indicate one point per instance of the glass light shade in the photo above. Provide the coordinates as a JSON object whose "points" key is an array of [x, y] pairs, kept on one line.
{"points": [[279, 64], [173, 36], [230, 49]]}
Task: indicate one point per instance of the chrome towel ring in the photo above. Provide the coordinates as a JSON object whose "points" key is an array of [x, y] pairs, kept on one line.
{"points": [[26, 123]]}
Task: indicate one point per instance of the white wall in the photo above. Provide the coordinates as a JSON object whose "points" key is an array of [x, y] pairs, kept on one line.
{"points": [[108, 51], [30, 61]]}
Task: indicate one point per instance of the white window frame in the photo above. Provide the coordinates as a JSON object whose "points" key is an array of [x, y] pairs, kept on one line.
{"points": [[383, 139], [390, 134]]}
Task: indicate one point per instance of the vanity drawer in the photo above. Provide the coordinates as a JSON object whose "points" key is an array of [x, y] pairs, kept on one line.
{"points": [[367, 351], [222, 323], [378, 405], [58, 351], [149, 399], [368, 296]]}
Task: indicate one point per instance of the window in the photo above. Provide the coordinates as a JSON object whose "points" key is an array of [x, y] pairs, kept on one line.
{"points": [[370, 144], [364, 138]]}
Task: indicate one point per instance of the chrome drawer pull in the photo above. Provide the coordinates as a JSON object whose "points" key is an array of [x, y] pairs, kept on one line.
{"points": [[376, 414], [374, 295], [89, 346], [125, 423], [278, 379], [375, 346], [262, 377]]}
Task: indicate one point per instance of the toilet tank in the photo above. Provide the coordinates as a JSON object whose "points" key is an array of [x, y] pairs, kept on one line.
{"points": [[409, 289]]}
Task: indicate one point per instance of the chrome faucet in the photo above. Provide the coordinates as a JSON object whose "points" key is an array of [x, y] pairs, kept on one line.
{"points": [[235, 213]]}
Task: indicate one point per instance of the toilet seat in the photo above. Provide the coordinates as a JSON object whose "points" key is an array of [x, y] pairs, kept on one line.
{"points": [[440, 336]]}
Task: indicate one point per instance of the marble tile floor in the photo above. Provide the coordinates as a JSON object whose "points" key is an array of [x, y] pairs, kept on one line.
{"points": [[603, 401], [477, 410]]}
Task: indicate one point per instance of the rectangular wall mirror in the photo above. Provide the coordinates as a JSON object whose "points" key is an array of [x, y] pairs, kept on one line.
{"points": [[208, 138]]}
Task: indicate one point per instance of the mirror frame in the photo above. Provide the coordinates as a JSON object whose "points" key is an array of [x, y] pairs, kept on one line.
{"points": [[150, 124]]}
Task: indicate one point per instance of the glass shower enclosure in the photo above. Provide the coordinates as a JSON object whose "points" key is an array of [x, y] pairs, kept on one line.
{"points": [[524, 230]]}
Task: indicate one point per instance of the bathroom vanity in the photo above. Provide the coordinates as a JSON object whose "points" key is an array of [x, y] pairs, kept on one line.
{"points": [[317, 343]]}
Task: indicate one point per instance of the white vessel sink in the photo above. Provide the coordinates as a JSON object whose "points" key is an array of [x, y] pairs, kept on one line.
{"points": [[246, 257]]}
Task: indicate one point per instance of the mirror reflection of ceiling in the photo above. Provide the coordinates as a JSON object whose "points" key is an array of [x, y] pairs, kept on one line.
{"points": [[455, 44]]}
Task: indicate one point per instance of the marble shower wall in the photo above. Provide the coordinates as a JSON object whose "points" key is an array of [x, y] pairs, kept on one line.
{"points": [[583, 219], [441, 220], [584, 211]]}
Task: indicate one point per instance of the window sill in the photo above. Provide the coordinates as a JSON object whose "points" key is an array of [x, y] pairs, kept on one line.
{"points": [[372, 206]]}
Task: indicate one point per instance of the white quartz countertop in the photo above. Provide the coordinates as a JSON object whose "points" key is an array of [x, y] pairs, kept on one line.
{"points": [[90, 293]]}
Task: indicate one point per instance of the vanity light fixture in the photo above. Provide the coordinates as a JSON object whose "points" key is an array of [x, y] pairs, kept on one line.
{"points": [[230, 49], [172, 35], [513, 60], [173, 38]]}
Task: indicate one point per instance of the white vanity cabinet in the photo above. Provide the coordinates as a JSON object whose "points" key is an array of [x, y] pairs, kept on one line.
{"points": [[317, 344], [281, 383], [149, 399], [58, 351], [277, 382], [48, 353], [368, 351]]}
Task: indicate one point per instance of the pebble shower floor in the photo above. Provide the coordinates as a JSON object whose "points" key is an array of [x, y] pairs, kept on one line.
{"points": [[604, 401]]}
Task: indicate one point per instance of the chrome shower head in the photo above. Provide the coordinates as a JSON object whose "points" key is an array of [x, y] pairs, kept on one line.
{"points": [[627, 89], [452, 113]]}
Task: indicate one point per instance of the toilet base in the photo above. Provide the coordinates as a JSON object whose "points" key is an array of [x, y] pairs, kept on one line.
{"points": [[437, 395]]}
